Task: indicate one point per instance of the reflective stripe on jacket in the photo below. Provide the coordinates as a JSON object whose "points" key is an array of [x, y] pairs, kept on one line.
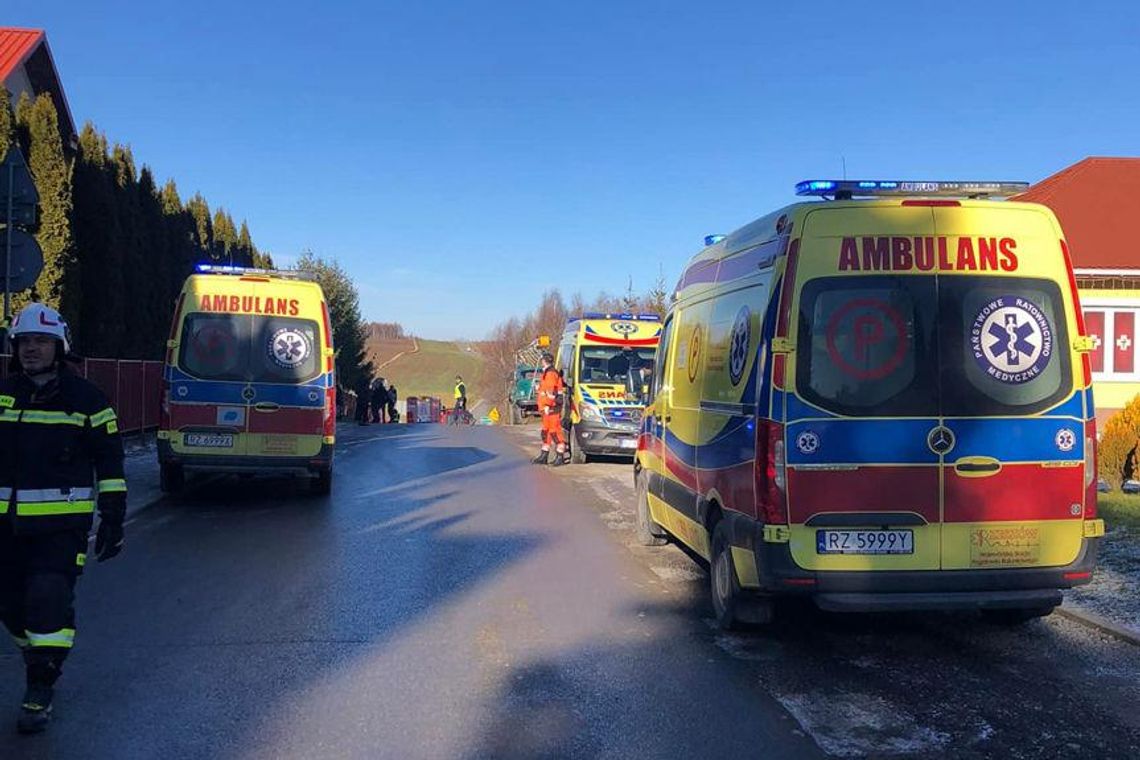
{"points": [[60, 455]]}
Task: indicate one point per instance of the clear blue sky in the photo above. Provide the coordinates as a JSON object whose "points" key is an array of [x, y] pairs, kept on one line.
{"points": [[458, 158]]}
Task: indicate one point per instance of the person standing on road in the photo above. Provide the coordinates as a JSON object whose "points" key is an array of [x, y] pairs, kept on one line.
{"points": [[549, 397], [363, 394], [379, 400], [393, 397], [60, 457], [460, 394]]}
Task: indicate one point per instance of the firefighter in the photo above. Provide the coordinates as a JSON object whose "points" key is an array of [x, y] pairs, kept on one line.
{"points": [[60, 457], [549, 397]]}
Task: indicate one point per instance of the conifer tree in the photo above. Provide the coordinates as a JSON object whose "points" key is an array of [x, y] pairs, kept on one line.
{"points": [[97, 237], [52, 175], [203, 228], [349, 332], [246, 250], [7, 122]]}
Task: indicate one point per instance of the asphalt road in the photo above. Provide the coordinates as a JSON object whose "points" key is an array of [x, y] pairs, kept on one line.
{"points": [[451, 601]]}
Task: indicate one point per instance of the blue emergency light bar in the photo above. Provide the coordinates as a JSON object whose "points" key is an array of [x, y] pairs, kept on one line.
{"points": [[880, 188], [228, 269], [713, 239], [626, 315]]}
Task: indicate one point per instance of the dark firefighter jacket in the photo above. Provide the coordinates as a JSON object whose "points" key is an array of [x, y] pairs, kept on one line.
{"points": [[60, 454]]}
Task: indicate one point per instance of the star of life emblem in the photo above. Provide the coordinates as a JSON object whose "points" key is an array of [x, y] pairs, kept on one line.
{"points": [[738, 345], [807, 442], [289, 348], [1065, 439], [1011, 339]]}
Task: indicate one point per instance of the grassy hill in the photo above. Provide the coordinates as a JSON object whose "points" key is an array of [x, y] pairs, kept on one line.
{"points": [[431, 370]]}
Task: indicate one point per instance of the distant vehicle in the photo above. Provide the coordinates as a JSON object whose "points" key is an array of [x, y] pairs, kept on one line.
{"points": [[1103, 485], [601, 357], [880, 404], [1130, 486], [521, 394], [248, 385], [521, 401]]}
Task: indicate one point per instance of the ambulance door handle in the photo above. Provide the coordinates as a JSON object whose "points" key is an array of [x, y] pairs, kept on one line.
{"points": [[266, 406], [668, 418], [977, 467]]}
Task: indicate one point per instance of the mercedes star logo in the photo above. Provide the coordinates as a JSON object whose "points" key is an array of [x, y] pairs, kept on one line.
{"points": [[940, 440]]}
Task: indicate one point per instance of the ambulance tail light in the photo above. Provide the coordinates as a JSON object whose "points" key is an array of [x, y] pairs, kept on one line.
{"points": [[164, 407], [1090, 470], [1086, 360], [770, 471], [330, 412]]}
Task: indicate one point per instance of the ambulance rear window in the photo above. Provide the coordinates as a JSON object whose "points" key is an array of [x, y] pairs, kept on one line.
{"points": [[249, 348], [1004, 345], [867, 346], [955, 346]]}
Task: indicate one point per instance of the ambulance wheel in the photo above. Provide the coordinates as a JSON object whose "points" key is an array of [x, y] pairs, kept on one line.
{"points": [[649, 533], [171, 478], [577, 455], [1015, 616], [722, 577], [321, 484]]}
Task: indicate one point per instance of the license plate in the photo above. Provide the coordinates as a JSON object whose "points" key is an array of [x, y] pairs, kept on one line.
{"points": [[629, 443], [864, 541], [209, 440]]}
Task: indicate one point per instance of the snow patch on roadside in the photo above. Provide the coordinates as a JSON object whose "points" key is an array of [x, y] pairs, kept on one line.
{"points": [[1115, 589], [846, 724], [677, 573]]}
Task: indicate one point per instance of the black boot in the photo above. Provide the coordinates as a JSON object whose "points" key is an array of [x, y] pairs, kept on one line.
{"points": [[559, 460], [35, 711], [542, 458]]}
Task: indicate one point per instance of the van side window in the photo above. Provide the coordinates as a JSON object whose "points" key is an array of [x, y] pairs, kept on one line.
{"points": [[661, 363], [566, 364]]}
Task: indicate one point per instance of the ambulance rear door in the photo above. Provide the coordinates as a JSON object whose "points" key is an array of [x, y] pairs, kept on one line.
{"points": [[285, 389], [1014, 470], [863, 488], [208, 412]]}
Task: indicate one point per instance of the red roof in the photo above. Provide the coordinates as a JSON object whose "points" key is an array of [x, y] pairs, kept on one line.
{"points": [[16, 45], [1097, 201]]}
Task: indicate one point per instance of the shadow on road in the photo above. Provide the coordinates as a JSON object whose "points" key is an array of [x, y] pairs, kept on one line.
{"points": [[241, 596]]}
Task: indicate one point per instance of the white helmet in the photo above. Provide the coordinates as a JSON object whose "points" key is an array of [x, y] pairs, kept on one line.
{"points": [[38, 319]]}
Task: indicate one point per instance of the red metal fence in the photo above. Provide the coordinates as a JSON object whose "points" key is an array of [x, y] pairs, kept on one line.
{"points": [[133, 387]]}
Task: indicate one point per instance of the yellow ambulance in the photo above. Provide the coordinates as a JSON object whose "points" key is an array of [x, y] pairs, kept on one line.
{"points": [[249, 383], [881, 399], [601, 358]]}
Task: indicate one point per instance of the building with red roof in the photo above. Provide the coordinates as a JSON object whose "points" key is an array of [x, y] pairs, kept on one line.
{"points": [[1097, 201], [27, 66]]}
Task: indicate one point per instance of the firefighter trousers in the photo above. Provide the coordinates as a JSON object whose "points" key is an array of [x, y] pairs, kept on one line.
{"points": [[37, 594]]}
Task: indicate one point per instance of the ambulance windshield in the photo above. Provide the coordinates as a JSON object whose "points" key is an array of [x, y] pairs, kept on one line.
{"points": [[904, 346], [613, 365], [249, 348]]}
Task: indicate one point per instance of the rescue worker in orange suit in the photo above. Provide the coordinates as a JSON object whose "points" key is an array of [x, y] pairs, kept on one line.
{"points": [[60, 457], [549, 395]]}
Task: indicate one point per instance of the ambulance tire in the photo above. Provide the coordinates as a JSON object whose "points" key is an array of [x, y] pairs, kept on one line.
{"points": [[649, 533], [321, 483], [725, 586], [577, 454], [1015, 616], [171, 478]]}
